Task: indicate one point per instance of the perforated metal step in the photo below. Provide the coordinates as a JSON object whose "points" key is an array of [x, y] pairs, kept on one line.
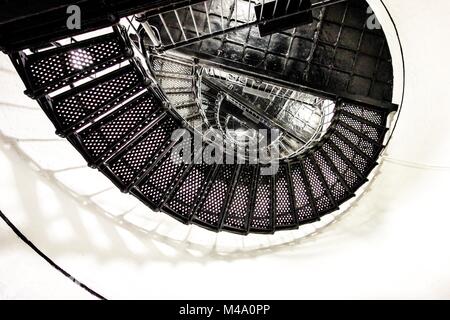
{"points": [[80, 104], [56, 67]]}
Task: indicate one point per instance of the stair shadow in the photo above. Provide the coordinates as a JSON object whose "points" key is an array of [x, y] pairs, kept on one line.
{"points": [[108, 237]]}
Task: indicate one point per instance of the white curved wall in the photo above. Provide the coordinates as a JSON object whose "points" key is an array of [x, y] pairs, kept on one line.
{"points": [[391, 244]]}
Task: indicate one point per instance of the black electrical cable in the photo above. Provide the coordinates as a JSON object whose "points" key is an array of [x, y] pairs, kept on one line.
{"points": [[46, 258]]}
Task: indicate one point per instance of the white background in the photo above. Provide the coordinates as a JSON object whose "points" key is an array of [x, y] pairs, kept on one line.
{"points": [[393, 243]]}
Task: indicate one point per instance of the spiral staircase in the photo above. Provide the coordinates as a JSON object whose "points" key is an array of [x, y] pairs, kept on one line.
{"points": [[118, 99]]}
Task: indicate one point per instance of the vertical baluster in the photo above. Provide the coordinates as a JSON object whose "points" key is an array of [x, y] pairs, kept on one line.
{"points": [[207, 17], [155, 41], [193, 19], [289, 93], [236, 12], [287, 6], [271, 91], [278, 93], [284, 147], [179, 23], [249, 10], [275, 8], [165, 27], [221, 15], [262, 9]]}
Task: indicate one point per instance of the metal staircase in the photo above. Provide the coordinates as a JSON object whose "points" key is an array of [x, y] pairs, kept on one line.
{"points": [[107, 105], [176, 77]]}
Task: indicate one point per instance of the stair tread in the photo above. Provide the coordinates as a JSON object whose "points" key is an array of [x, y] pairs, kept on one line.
{"points": [[374, 133], [339, 190], [357, 158], [158, 182], [305, 205], [55, 68], [377, 117], [322, 196], [238, 213], [212, 209], [175, 91], [100, 138], [126, 163], [170, 67], [72, 109], [361, 146], [189, 191], [285, 215], [262, 219], [353, 133]]}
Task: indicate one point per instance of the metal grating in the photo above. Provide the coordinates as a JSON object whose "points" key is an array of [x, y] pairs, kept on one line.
{"points": [[318, 188], [365, 145], [240, 207], [304, 204], [175, 85], [372, 131], [55, 68], [156, 184], [285, 214], [210, 212], [360, 162], [187, 195], [262, 216], [369, 114], [142, 152], [73, 106], [101, 138], [170, 67], [351, 177], [337, 189]]}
